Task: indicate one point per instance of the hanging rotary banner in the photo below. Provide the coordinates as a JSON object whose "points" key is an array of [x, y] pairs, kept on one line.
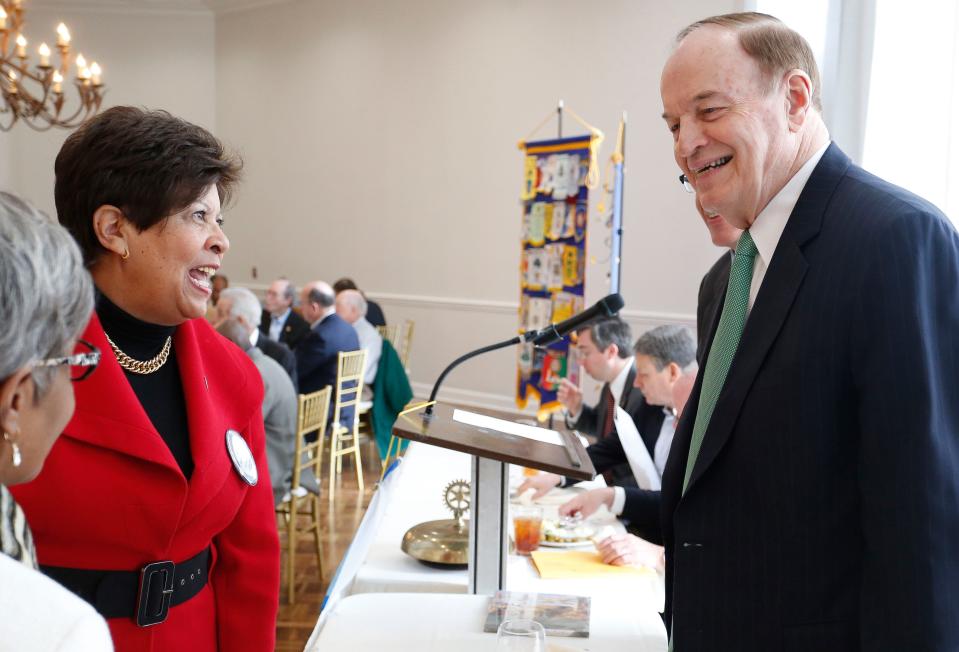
{"points": [[557, 177]]}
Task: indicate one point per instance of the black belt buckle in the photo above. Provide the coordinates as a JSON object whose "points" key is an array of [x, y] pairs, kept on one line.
{"points": [[156, 579]]}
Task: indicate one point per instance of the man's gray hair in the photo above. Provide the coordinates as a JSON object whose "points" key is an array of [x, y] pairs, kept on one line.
{"points": [[354, 299], [610, 331], [321, 296], [46, 294], [245, 304], [290, 292], [232, 330], [666, 344]]}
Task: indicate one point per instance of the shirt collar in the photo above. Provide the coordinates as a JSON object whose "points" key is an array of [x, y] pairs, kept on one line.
{"points": [[619, 383], [768, 227], [254, 336], [283, 316]]}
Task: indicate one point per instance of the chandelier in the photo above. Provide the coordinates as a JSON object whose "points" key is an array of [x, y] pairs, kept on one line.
{"points": [[40, 94]]}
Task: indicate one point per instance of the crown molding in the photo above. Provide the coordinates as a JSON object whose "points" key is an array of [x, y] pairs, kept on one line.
{"points": [[154, 7]]}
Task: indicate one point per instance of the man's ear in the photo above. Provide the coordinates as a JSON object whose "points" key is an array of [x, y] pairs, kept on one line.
{"points": [[108, 225], [674, 371], [798, 97], [15, 392]]}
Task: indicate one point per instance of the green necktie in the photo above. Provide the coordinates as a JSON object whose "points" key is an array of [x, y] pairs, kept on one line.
{"points": [[724, 345]]}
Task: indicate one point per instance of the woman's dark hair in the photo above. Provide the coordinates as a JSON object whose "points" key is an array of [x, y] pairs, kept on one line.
{"points": [[149, 164]]}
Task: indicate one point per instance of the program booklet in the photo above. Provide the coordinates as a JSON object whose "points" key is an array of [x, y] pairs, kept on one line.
{"points": [[560, 615]]}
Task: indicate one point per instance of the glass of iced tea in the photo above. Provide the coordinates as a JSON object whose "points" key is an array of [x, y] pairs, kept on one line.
{"points": [[527, 528]]}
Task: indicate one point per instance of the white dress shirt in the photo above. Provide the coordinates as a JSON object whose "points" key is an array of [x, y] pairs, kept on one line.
{"points": [[616, 389], [372, 342], [769, 224], [276, 325]]}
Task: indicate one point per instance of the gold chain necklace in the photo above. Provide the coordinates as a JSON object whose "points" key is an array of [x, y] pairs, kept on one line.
{"points": [[142, 366]]}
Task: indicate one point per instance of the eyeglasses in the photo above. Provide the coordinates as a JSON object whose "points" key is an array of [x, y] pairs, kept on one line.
{"points": [[684, 180], [82, 363]]}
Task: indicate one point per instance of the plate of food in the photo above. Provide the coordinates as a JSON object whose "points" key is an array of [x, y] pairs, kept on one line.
{"points": [[566, 534]]}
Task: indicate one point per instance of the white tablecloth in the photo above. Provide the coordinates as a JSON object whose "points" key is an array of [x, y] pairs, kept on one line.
{"points": [[417, 497], [625, 607], [421, 622]]}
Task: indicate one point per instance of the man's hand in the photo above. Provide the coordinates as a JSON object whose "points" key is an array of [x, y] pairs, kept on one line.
{"points": [[587, 503], [541, 482], [570, 396], [630, 550]]}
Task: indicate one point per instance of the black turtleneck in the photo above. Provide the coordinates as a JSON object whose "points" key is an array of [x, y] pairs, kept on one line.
{"points": [[160, 393]]}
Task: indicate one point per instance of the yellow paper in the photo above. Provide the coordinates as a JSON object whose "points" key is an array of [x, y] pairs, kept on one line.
{"points": [[565, 564]]}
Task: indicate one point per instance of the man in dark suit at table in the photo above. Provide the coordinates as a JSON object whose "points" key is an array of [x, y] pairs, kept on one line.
{"points": [[604, 349], [279, 321], [811, 500], [317, 354]]}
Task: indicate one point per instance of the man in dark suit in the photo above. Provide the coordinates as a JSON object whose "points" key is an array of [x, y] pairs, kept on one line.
{"points": [[604, 349], [242, 304], [811, 500], [279, 321], [665, 357], [316, 357]]}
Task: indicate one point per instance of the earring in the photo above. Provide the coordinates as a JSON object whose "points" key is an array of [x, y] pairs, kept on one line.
{"points": [[126, 254], [17, 459]]}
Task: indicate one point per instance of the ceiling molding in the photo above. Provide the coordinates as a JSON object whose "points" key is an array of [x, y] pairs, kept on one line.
{"points": [[140, 7]]}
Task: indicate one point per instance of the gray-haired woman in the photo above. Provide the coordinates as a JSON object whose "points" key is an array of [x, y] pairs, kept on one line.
{"points": [[45, 298]]}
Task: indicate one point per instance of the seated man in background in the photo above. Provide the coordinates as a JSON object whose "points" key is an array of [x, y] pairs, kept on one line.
{"points": [[604, 350], [352, 307], [665, 365], [243, 306], [628, 549], [317, 355], [279, 321], [279, 407], [374, 314]]}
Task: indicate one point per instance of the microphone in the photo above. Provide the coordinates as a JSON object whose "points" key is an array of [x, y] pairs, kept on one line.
{"points": [[607, 307]]}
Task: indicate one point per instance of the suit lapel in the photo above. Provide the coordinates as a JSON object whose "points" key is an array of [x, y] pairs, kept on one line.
{"points": [[109, 413], [208, 420], [776, 296]]}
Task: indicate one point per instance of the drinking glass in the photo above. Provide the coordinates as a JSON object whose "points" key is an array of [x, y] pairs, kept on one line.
{"points": [[520, 636], [527, 528]]}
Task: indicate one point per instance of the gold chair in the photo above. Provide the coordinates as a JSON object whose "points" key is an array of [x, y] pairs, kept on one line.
{"points": [[349, 387], [311, 417], [401, 337]]}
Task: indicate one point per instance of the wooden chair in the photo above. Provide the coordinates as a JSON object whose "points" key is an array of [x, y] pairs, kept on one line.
{"points": [[349, 387], [311, 417]]}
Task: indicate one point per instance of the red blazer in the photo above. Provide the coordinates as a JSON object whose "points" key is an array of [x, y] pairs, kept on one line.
{"points": [[111, 496]]}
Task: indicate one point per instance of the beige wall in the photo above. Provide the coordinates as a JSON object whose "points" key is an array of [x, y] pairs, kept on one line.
{"points": [[380, 140]]}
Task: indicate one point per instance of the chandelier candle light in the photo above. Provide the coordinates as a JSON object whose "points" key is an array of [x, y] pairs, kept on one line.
{"points": [[35, 93]]}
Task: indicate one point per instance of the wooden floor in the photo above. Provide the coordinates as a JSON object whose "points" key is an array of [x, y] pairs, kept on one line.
{"points": [[295, 622]]}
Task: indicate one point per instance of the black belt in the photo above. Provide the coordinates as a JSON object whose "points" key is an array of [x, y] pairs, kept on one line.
{"points": [[145, 595]]}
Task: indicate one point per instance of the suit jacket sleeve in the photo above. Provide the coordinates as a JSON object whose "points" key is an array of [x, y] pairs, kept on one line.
{"points": [[905, 362], [248, 562], [643, 511], [588, 420]]}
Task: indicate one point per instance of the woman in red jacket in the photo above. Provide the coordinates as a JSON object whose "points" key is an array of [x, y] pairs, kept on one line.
{"points": [[155, 505]]}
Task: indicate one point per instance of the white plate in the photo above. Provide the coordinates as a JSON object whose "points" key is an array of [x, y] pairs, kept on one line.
{"points": [[569, 544]]}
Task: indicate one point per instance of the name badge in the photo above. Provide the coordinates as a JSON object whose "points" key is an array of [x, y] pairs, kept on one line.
{"points": [[242, 457]]}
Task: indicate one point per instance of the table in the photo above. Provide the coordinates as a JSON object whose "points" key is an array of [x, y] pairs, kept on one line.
{"points": [[420, 622], [417, 497]]}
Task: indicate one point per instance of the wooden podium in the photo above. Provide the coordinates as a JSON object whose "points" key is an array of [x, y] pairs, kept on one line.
{"points": [[491, 452]]}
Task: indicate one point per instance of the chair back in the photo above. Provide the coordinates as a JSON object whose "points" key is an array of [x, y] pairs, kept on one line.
{"points": [[349, 386], [401, 337], [310, 417]]}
